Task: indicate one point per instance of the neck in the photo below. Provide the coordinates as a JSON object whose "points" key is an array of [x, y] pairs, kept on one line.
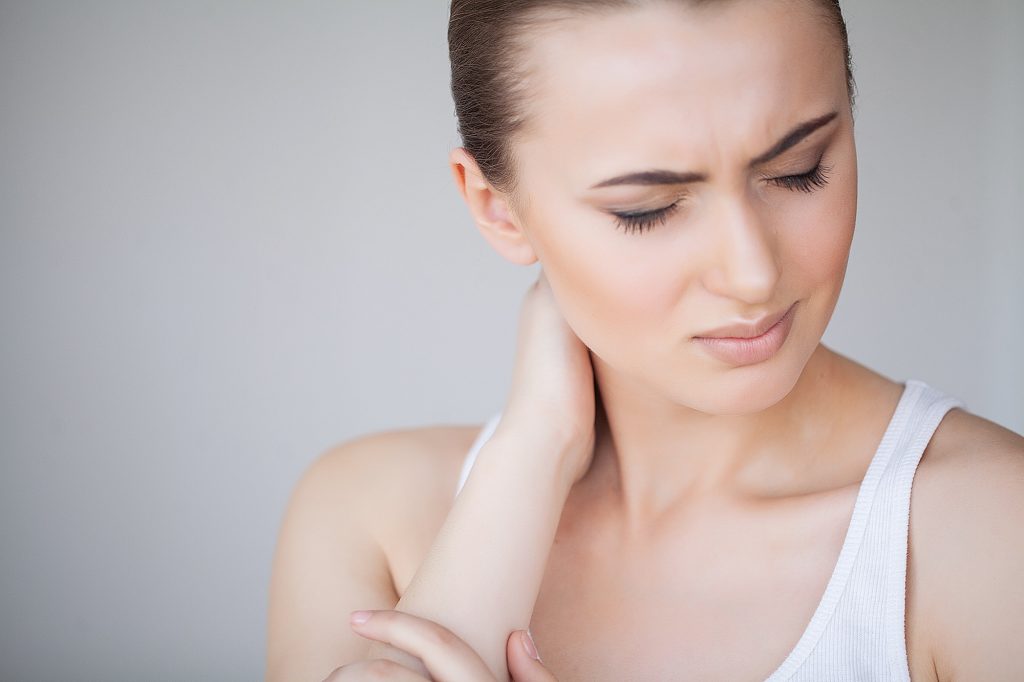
{"points": [[652, 453]]}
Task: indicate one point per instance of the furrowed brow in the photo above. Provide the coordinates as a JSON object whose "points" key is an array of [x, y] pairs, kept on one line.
{"points": [[668, 177]]}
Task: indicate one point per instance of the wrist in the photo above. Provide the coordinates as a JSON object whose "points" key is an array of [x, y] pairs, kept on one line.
{"points": [[545, 459]]}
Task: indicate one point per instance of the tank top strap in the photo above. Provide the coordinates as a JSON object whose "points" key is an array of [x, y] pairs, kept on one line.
{"points": [[931, 405], [857, 633]]}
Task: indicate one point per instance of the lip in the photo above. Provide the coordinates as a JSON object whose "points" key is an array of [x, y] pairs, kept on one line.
{"points": [[745, 330], [749, 350]]}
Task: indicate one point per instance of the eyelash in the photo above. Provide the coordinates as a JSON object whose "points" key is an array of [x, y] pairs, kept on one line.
{"points": [[810, 181]]}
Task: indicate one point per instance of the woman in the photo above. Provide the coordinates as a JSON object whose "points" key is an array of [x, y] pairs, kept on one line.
{"points": [[659, 499]]}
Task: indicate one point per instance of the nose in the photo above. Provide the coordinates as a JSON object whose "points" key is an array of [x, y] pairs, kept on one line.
{"points": [[744, 264]]}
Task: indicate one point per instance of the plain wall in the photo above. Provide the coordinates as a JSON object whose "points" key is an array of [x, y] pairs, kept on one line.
{"points": [[229, 239]]}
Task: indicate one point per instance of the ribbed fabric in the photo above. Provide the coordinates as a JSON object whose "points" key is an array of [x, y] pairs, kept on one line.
{"points": [[857, 631]]}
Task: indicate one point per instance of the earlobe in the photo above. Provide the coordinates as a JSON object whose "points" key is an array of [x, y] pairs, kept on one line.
{"points": [[490, 210]]}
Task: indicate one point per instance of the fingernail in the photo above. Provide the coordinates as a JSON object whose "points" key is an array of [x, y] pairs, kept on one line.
{"points": [[358, 617], [530, 647]]}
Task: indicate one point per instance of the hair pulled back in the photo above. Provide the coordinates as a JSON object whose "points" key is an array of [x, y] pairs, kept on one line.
{"points": [[491, 80]]}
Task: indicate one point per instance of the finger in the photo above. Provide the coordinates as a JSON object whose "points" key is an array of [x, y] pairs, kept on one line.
{"points": [[522, 665], [445, 655], [376, 669]]}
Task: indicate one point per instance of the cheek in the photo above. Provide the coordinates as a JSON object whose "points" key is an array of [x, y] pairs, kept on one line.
{"points": [[609, 289], [819, 233], [614, 294], [818, 252]]}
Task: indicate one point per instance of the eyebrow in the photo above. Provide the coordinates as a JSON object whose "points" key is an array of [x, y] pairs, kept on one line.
{"points": [[667, 177]]}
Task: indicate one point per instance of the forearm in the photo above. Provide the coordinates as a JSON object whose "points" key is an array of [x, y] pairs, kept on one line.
{"points": [[482, 575]]}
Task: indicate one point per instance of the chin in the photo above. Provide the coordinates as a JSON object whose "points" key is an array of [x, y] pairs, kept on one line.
{"points": [[738, 391]]}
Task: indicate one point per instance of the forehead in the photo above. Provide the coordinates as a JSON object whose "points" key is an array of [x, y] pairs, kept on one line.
{"points": [[727, 78]]}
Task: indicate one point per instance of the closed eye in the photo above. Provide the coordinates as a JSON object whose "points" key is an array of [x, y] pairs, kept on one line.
{"points": [[641, 222], [637, 223], [813, 179]]}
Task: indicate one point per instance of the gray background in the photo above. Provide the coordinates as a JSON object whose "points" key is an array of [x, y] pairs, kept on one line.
{"points": [[229, 239]]}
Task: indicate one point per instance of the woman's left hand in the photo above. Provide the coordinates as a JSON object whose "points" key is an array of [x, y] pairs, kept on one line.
{"points": [[445, 655]]}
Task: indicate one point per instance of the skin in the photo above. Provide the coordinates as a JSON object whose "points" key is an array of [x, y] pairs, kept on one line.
{"points": [[707, 497], [700, 92]]}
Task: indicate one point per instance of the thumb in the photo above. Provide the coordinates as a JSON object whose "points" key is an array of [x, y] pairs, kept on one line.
{"points": [[522, 665]]}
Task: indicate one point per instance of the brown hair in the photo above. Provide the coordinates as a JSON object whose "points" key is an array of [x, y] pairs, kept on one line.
{"points": [[490, 81]]}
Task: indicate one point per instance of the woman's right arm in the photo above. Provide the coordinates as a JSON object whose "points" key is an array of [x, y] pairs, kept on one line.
{"points": [[482, 574], [481, 577]]}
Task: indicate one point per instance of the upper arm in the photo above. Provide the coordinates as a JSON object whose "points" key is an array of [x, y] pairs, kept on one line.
{"points": [[328, 562], [977, 561]]}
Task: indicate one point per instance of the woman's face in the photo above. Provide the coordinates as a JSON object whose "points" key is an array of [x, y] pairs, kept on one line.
{"points": [[691, 91]]}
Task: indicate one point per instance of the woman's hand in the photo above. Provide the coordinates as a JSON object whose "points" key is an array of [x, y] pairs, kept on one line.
{"points": [[446, 657], [551, 399]]}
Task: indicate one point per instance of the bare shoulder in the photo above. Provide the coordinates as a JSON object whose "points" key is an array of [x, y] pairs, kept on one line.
{"points": [[399, 462], [969, 459], [963, 429], [356, 521], [967, 516], [404, 481]]}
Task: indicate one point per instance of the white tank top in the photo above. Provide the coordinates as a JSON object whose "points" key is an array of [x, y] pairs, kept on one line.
{"points": [[857, 631]]}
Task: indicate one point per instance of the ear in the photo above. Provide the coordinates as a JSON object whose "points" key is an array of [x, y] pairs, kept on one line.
{"points": [[491, 211]]}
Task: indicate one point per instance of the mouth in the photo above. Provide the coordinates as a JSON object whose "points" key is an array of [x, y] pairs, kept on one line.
{"points": [[746, 350]]}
